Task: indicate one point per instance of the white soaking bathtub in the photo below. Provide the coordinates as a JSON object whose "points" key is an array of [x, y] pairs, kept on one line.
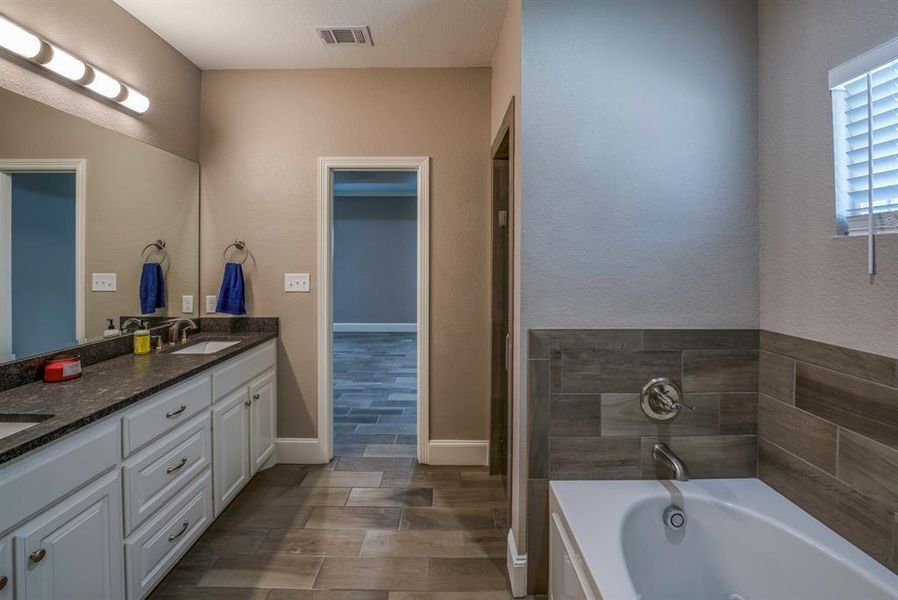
{"points": [[742, 541]]}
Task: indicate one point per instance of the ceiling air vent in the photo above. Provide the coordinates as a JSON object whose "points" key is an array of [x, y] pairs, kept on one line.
{"points": [[337, 36]]}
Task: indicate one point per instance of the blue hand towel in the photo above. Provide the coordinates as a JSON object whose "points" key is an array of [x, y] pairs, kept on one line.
{"points": [[231, 298], [152, 288]]}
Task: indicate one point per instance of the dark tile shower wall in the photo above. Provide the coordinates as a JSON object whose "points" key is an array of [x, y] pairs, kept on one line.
{"points": [[828, 437], [585, 421]]}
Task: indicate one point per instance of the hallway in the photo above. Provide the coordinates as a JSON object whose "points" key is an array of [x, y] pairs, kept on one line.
{"points": [[375, 410]]}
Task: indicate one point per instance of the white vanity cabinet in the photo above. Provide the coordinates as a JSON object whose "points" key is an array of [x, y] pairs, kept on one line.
{"points": [[244, 421], [106, 511]]}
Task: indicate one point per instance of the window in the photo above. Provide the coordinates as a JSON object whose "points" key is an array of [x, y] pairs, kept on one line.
{"points": [[865, 131]]}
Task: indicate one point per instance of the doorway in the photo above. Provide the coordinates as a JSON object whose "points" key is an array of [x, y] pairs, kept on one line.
{"points": [[41, 256], [502, 304], [373, 299]]}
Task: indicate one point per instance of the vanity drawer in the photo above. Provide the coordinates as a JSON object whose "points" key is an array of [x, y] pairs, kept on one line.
{"points": [[234, 373], [154, 549], [38, 480], [159, 471], [165, 411]]}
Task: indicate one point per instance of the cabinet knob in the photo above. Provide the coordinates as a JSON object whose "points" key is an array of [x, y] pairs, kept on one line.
{"points": [[256, 396], [38, 555], [3, 581], [248, 403]]}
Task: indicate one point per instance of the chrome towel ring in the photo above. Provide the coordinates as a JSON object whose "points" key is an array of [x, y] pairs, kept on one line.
{"points": [[159, 245], [239, 245]]}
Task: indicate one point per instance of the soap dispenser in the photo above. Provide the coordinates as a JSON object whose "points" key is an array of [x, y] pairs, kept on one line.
{"points": [[142, 339], [111, 330]]}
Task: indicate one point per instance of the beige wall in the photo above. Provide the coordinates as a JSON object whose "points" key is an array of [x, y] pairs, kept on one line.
{"points": [[261, 135], [135, 193], [813, 284], [102, 33], [506, 84]]}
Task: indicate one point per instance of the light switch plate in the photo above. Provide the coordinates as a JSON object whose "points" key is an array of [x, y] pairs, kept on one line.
{"points": [[187, 305], [296, 282], [102, 282], [211, 302]]}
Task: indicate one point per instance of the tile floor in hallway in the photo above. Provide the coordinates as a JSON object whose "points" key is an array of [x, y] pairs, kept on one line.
{"points": [[360, 528], [375, 381]]}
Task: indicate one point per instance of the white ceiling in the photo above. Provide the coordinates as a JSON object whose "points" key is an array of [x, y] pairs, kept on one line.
{"points": [[280, 34]]}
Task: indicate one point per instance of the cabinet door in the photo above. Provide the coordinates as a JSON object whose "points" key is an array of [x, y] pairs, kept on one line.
{"points": [[6, 574], [263, 420], [74, 550], [230, 439]]}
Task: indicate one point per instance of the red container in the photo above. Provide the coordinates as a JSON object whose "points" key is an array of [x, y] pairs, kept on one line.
{"points": [[62, 368]]}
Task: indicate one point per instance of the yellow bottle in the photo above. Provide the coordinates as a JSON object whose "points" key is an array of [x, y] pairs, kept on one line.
{"points": [[142, 339]]}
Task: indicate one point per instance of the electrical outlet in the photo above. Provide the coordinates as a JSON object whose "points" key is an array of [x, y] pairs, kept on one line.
{"points": [[296, 282], [187, 305], [211, 302], [102, 282]]}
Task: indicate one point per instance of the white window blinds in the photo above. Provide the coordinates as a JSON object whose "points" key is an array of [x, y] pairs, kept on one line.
{"points": [[865, 127]]}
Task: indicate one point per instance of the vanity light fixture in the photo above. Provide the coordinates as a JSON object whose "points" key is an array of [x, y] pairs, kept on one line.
{"points": [[22, 42], [18, 41], [63, 63]]}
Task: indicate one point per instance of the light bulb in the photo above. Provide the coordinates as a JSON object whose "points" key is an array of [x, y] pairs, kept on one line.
{"points": [[65, 64], [17, 40], [136, 101], [104, 85]]}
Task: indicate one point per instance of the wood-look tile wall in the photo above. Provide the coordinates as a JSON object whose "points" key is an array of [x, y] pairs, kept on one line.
{"points": [[585, 421], [828, 437]]}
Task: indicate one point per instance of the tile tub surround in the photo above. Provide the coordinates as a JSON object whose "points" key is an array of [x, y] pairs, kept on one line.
{"points": [[106, 387], [828, 437], [585, 421]]}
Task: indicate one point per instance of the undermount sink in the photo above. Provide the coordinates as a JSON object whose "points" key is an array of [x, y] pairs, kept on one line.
{"points": [[205, 348], [12, 424]]}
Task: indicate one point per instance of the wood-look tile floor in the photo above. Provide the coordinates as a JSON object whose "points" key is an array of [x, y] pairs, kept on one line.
{"points": [[375, 381], [359, 528]]}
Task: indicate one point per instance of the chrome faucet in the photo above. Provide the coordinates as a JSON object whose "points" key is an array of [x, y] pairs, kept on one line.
{"points": [[130, 321], [176, 325], [662, 453]]}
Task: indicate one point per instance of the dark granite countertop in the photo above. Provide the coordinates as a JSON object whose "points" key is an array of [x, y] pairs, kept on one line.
{"points": [[105, 388]]}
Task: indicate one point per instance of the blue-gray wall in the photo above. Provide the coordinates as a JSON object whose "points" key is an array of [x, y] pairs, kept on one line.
{"points": [[43, 262], [375, 254]]}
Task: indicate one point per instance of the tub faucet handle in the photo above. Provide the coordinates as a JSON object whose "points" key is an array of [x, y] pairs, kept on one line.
{"points": [[661, 399]]}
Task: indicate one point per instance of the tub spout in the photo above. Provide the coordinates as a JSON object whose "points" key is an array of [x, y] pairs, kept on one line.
{"points": [[663, 454]]}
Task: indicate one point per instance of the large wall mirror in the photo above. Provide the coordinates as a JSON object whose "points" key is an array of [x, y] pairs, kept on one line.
{"points": [[94, 225]]}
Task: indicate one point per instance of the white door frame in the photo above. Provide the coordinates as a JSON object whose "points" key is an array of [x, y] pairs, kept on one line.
{"points": [[326, 167], [50, 165]]}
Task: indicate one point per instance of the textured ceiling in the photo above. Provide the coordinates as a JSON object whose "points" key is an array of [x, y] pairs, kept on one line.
{"points": [[280, 34]]}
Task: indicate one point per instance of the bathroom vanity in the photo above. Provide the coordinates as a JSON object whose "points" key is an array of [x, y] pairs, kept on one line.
{"points": [[111, 477]]}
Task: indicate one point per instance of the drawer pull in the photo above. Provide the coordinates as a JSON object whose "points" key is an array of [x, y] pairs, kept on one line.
{"points": [[256, 396], [38, 555], [177, 467], [175, 536], [3, 581], [175, 413]]}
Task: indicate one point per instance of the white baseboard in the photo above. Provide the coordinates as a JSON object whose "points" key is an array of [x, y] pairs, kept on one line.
{"points": [[299, 451], [458, 452], [517, 568], [375, 327]]}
